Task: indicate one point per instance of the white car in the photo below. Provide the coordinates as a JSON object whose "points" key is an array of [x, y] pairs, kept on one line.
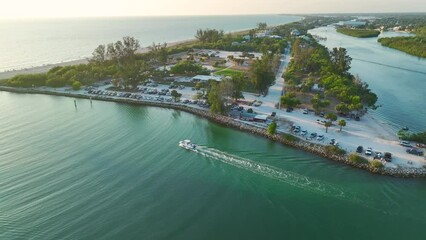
{"points": [[320, 137], [369, 151]]}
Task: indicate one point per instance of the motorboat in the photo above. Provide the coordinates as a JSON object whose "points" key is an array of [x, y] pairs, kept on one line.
{"points": [[187, 144]]}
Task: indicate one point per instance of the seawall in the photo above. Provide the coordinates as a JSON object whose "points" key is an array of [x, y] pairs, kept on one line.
{"points": [[316, 149]]}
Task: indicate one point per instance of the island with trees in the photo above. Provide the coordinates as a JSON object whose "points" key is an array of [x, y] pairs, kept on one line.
{"points": [[415, 45], [359, 33]]}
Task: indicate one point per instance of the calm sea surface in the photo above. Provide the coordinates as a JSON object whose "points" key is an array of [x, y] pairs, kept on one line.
{"points": [[397, 78], [29, 43], [114, 171]]}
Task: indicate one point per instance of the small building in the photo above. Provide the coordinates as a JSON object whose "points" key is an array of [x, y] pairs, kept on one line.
{"points": [[205, 78], [260, 118], [275, 37], [245, 116], [316, 88], [247, 37], [295, 33]]}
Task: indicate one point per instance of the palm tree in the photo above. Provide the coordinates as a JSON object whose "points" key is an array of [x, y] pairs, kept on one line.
{"points": [[327, 125], [342, 123]]}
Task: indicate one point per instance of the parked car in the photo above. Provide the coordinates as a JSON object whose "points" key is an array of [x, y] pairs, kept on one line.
{"points": [[305, 111], [359, 149], [387, 156], [369, 151], [405, 144], [320, 137], [296, 129], [313, 135], [378, 155], [415, 151], [290, 109], [322, 122], [304, 132], [273, 114]]}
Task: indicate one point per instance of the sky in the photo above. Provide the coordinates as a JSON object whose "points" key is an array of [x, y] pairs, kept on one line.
{"points": [[98, 8]]}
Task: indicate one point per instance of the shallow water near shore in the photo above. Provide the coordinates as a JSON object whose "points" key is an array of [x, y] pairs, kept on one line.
{"points": [[114, 171], [30, 43]]}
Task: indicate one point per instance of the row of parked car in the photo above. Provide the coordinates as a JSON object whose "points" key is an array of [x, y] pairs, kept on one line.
{"points": [[411, 149], [387, 156], [312, 136]]}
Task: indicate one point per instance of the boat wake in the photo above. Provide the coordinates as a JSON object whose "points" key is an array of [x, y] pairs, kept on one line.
{"points": [[291, 178]]}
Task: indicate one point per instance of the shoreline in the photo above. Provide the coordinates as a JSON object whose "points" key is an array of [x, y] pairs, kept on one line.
{"points": [[46, 67], [317, 149]]}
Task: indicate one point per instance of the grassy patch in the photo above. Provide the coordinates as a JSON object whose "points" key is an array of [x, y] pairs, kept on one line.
{"points": [[376, 164], [228, 72], [335, 150], [359, 33], [357, 159], [290, 137]]}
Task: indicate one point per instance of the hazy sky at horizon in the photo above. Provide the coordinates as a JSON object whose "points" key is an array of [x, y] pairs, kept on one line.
{"points": [[98, 8]]}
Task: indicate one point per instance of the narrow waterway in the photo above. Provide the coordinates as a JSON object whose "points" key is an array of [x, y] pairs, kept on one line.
{"points": [[398, 79]]}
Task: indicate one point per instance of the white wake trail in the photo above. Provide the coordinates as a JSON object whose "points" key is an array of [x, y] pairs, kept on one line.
{"points": [[291, 178]]}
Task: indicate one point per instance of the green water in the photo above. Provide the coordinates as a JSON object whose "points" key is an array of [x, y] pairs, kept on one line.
{"points": [[114, 171]]}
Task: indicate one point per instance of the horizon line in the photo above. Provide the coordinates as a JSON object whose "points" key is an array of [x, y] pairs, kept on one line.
{"points": [[204, 15]]}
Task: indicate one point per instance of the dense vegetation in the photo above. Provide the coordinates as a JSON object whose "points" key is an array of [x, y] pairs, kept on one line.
{"points": [[189, 68], [116, 60], [355, 158], [416, 137], [359, 33], [412, 45], [313, 64], [376, 164]]}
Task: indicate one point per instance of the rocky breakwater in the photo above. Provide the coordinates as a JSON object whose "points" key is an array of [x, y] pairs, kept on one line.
{"points": [[286, 139]]}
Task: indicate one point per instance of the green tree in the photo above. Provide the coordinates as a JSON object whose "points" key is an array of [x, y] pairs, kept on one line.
{"points": [[76, 85], [99, 54], [209, 35], [262, 26], [318, 103], [215, 99], [327, 125], [175, 95], [238, 81], [341, 61], [289, 100], [272, 128], [331, 117], [262, 74], [342, 123], [159, 52], [342, 108]]}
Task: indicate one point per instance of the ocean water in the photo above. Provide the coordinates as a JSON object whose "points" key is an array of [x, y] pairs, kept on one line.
{"points": [[30, 43], [398, 79], [114, 171]]}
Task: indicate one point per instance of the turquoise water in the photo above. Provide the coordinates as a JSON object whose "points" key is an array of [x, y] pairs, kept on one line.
{"points": [[29, 43], [114, 171], [398, 79]]}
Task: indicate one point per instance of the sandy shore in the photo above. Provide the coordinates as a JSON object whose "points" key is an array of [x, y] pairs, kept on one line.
{"points": [[47, 67], [369, 132]]}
